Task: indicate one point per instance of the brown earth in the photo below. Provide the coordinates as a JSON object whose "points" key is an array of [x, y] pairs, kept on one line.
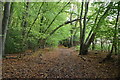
{"points": [[60, 63]]}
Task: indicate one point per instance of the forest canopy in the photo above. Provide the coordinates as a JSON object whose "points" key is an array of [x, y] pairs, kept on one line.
{"points": [[33, 25]]}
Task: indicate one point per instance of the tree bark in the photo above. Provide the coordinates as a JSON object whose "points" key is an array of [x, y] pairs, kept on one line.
{"points": [[71, 32], [80, 22], [93, 45], [108, 47], [116, 30], [74, 34], [101, 44], [10, 23], [5, 24], [82, 38], [1, 16], [110, 54]]}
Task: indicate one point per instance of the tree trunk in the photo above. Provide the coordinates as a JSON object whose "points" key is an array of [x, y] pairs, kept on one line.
{"points": [[71, 31], [24, 25], [42, 43], [82, 38], [109, 47], [115, 33], [74, 34], [101, 44], [1, 16], [11, 12], [69, 42], [93, 45], [71, 39], [5, 21], [80, 22], [84, 50], [110, 54], [10, 23], [114, 38], [1, 47]]}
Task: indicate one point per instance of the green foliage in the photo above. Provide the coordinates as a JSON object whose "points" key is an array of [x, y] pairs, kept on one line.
{"points": [[39, 16]]}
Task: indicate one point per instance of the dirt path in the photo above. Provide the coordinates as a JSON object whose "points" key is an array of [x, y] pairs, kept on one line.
{"points": [[67, 64], [58, 63]]}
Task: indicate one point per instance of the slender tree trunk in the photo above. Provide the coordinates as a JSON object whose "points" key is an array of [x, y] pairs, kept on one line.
{"points": [[42, 43], [11, 12], [71, 31], [5, 23], [108, 47], [10, 23], [114, 37], [76, 30], [24, 25], [101, 40], [108, 57], [1, 16], [82, 38], [80, 22], [116, 30], [69, 42], [71, 38], [93, 45]]}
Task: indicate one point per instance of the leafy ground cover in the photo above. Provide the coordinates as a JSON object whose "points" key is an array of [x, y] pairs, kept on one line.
{"points": [[60, 62]]}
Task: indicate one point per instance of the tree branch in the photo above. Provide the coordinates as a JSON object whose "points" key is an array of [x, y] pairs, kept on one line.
{"points": [[65, 23], [34, 20], [98, 25], [55, 17]]}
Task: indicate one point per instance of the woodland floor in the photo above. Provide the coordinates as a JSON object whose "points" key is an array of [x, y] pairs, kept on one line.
{"points": [[59, 63]]}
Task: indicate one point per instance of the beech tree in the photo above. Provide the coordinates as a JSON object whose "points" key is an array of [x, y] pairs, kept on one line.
{"points": [[40, 25], [5, 23], [1, 47], [84, 46]]}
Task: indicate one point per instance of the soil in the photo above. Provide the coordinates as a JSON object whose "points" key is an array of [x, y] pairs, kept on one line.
{"points": [[60, 62]]}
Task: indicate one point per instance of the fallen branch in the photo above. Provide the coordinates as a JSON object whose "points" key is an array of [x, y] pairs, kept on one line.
{"points": [[83, 58]]}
